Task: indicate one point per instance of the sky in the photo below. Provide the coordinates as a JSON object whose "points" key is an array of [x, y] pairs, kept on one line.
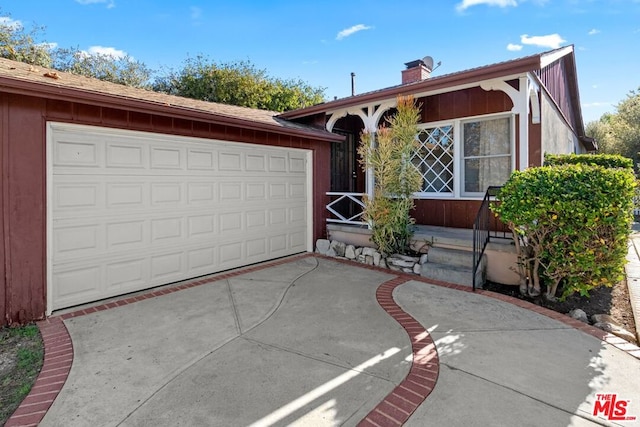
{"points": [[323, 42]]}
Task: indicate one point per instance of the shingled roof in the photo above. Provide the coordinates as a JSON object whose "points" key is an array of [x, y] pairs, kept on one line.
{"points": [[18, 77]]}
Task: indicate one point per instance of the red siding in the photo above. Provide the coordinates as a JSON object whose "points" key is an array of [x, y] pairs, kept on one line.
{"points": [[446, 213], [465, 103], [556, 81], [23, 183]]}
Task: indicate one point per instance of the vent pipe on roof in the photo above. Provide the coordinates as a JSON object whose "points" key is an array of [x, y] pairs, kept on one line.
{"points": [[353, 84]]}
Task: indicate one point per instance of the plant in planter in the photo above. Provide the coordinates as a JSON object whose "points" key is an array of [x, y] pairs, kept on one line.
{"points": [[395, 178]]}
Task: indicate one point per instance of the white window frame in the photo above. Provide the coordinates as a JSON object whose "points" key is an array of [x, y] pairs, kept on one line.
{"points": [[458, 155]]}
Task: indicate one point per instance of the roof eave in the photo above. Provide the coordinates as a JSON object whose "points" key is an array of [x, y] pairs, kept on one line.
{"points": [[434, 83], [39, 89]]}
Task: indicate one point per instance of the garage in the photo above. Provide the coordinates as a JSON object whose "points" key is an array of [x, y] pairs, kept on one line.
{"points": [[132, 210]]}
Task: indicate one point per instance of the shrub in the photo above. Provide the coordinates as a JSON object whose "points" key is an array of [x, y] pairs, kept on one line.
{"points": [[604, 160], [570, 223], [395, 178]]}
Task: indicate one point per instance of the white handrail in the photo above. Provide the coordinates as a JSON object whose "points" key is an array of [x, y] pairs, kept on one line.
{"points": [[346, 218]]}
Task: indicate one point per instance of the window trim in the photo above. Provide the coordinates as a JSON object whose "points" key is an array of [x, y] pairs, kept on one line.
{"points": [[458, 154], [461, 158]]}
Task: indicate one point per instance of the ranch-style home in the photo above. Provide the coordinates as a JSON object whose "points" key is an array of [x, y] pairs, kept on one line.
{"points": [[107, 190]]}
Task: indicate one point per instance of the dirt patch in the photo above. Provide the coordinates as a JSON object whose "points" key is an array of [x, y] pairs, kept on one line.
{"points": [[21, 357], [613, 301]]}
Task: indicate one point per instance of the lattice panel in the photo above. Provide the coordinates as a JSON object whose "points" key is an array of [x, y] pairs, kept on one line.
{"points": [[434, 159]]}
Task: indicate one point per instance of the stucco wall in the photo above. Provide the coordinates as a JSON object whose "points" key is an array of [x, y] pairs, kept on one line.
{"points": [[557, 137]]}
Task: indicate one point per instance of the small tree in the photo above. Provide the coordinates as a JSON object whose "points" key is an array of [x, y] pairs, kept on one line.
{"points": [[395, 178]]}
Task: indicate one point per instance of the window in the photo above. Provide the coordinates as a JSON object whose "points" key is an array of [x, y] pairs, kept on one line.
{"points": [[486, 146], [434, 159]]}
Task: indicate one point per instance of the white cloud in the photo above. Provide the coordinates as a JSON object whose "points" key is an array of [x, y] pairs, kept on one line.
{"points": [[514, 47], [597, 104], [110, 3], [108, 51], [500, 3], [593, 32], [352, 30], [552, 40], [7, 22]]}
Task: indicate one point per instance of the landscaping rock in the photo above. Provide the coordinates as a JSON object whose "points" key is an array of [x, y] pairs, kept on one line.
{"points": [[603, 318], [423, 258], [368, 259], [395, 261], [617, 331], [322, 246], [417, 269], [368, 251], [358, 252], [339, 247], [579, 314], [376, 258], [350, 252]]}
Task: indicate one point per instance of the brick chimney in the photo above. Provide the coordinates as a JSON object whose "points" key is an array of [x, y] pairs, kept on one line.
{"points": [[416, 71]]}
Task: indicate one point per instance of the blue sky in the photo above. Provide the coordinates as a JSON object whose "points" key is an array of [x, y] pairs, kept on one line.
{"points": [[323, 42]]}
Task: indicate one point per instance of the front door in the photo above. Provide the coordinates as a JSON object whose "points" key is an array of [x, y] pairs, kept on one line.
{"points": [[343, 163]]}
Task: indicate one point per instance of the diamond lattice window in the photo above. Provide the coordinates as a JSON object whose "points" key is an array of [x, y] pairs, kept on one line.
{"points": [[434, 159]]}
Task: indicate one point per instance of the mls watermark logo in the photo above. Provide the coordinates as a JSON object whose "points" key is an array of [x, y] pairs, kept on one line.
{"points": [[611, 407]]}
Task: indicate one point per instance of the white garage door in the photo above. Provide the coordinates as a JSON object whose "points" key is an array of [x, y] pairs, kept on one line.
{"points": [[132, 210]]}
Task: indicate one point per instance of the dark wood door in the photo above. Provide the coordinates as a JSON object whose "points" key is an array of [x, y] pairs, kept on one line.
{"points": [[343, 163]]}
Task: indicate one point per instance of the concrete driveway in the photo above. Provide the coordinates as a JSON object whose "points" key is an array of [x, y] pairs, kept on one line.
{"points": [[310, 341]]}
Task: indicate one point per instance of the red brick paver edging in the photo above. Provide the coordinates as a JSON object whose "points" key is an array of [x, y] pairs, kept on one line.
{"points": [[58, 357], [405, 398], [58, 348], [394, 410]]}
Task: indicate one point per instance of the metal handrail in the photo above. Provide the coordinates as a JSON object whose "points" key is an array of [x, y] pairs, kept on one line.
{"points": [[484, 229]]}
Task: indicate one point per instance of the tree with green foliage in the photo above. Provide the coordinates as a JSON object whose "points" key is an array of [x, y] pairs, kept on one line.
{"points": [[237, 83], [21, 44], [619, 133], [116, 69], [570, 221], [395, 178]]}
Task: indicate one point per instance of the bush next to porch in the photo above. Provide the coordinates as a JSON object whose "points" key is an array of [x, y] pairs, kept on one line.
{"points": [[395, 178], [570, 223]]}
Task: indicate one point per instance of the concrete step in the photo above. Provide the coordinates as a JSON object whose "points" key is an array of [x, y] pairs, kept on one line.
{"points": [[448, 256], [452, 274], [453, 266]]}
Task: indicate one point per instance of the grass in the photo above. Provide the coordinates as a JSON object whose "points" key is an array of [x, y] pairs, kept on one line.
{"points": [[21, 357]]}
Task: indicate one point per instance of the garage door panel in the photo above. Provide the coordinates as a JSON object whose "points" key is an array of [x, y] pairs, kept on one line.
{"points": [[124, 275], [131, 210], [76, 153], [76, 239], [130, 155], [78, 284], [167, 158], [199, 159]]}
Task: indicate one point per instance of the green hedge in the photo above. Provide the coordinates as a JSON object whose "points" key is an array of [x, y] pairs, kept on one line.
{"points": [[571, 222], [604, 160]]}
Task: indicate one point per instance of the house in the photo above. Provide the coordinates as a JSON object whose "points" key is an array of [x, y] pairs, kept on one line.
{"points": [[477, 126], [107, 189]]}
